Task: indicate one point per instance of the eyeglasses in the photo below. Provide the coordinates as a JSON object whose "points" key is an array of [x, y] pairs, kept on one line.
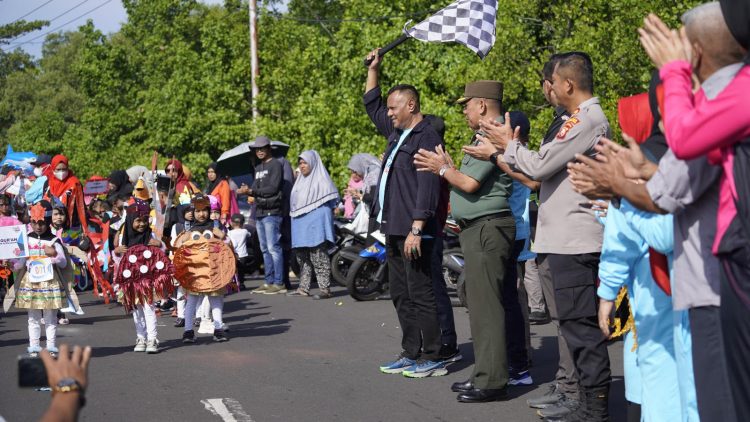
{"points": [[170, 169]]}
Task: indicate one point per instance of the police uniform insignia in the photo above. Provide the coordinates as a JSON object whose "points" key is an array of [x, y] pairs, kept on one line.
{"points": [[572, 121]]}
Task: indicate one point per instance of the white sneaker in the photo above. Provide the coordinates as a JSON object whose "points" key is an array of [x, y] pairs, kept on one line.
{"points": [[140, 345], [152, 346]]}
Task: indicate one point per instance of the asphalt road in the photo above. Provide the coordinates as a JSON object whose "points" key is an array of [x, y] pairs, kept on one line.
{"points": [[288, 359]]}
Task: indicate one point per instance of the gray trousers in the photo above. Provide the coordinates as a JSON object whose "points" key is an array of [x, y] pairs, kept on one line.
{"points": [[566, 376], [533, 287]]}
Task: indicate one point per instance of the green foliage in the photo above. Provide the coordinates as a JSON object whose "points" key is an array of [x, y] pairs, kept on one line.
{"points": [[18, 28], [176, 77]]}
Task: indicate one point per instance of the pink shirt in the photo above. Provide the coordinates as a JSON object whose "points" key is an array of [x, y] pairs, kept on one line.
{"points": [[697, 126]]}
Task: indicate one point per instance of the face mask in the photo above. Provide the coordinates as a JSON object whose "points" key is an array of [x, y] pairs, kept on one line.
{"points": [[61, 175], [38, 171]]}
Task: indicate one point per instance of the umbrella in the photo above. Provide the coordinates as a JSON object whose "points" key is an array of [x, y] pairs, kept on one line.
{"points": [[239, 160]]}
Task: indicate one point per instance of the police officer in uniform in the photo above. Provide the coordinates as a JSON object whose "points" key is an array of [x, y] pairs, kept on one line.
{"points": [[568, 236], [479, 203]]}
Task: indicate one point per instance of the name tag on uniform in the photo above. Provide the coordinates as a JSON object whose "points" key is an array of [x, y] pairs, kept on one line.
{"points": [[40, 269]]}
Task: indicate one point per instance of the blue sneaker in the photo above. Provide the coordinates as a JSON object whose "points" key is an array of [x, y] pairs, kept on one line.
{"points": [[519, 378], [397, 366], [33, 351], [426, 368]]}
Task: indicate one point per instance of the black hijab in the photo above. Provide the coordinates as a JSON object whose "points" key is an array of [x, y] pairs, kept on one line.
{"points": [[210, 186], [200, 202], [120, 179], [656, 143], [130, 237], [737, 16]]}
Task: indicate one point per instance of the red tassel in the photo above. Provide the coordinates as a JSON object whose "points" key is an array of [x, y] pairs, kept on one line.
{"points": [[660, 270]]}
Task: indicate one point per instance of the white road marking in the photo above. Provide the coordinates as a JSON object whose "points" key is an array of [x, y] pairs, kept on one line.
{"points": [[228, 409]]}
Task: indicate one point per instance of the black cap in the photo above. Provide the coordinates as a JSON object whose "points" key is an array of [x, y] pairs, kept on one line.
{"points": [[518, 118]]}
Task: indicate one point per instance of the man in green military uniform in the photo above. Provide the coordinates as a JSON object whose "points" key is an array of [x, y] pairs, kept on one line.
{"points": [[479, 203]]}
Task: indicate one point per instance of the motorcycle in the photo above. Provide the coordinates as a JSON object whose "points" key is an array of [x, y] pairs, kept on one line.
{"points": [[344, 251], [368, 276]]}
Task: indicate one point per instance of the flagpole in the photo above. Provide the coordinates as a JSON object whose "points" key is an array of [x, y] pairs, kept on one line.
{"points": [[395, 43]]}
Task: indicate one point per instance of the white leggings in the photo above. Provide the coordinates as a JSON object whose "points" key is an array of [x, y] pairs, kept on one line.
{"points": [[50, 326], [216, 302], [180, 299], [144, 316]]}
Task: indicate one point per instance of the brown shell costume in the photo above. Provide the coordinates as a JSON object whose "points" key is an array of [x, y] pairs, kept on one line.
{"points": [[203, 265]]}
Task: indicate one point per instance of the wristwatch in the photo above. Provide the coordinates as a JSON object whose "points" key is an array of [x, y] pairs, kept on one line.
{"points": [[443, 169], [69, 385], [416, 231], [493, 157]]}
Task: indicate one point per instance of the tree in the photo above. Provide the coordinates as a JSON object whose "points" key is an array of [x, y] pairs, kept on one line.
{"points": [[176, 77]]}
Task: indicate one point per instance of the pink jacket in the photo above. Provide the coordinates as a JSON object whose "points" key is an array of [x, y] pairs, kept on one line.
{"points": [[696, 126]]}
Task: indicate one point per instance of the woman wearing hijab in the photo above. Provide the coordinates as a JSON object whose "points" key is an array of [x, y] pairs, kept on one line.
{"points": [[119, 184], [367, 168], [218, 186], [181, 181], [65, 186], [313, 198]]}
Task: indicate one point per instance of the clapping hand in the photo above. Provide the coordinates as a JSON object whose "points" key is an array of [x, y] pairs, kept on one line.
{"points": [[663, 45]]}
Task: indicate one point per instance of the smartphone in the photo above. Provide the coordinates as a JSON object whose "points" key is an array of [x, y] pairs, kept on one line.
{"points": [[31, 372]]}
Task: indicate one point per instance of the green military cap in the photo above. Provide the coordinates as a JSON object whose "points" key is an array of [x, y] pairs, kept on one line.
{"points": [[492, 90]]}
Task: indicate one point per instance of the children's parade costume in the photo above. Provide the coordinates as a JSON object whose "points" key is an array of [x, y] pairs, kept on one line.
{"points": [[143, 276], [44, 281], [204, 266]]}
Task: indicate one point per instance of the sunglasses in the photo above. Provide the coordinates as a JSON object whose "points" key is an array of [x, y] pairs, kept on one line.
{"points": [[170, 169]]}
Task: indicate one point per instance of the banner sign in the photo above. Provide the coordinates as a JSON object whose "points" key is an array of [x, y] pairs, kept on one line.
{"points": [[13, 242]]}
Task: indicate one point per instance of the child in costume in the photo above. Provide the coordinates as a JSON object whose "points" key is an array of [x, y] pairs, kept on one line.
{"points": [[44, 278], [143, 274], [204, 265], [185, 219]]}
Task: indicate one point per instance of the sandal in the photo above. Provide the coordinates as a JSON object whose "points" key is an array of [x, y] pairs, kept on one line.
{"points": [[298, 293]]}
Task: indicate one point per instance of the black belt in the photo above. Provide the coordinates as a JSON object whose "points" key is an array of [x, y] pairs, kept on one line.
{"points": [[465, 224]]}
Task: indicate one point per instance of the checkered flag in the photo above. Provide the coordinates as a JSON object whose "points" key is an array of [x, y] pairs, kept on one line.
{"points": [[469, 22]]}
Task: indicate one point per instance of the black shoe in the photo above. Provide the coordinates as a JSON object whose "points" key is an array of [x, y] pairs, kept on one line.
{"points": [[550, 398], [179, 322], [167, 305], [483, 395], [188, 336], [219, 336], [561, 409], [462, 387], [538, 318]]}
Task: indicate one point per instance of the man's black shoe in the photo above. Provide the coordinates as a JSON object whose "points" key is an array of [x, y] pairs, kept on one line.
{"points": [[179, 322], [483, 395], [538, 318], [462, 387], [188, 336]]}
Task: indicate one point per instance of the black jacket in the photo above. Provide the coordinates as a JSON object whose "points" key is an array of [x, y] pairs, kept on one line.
{"points": [[267, 188], [410, 195]]}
